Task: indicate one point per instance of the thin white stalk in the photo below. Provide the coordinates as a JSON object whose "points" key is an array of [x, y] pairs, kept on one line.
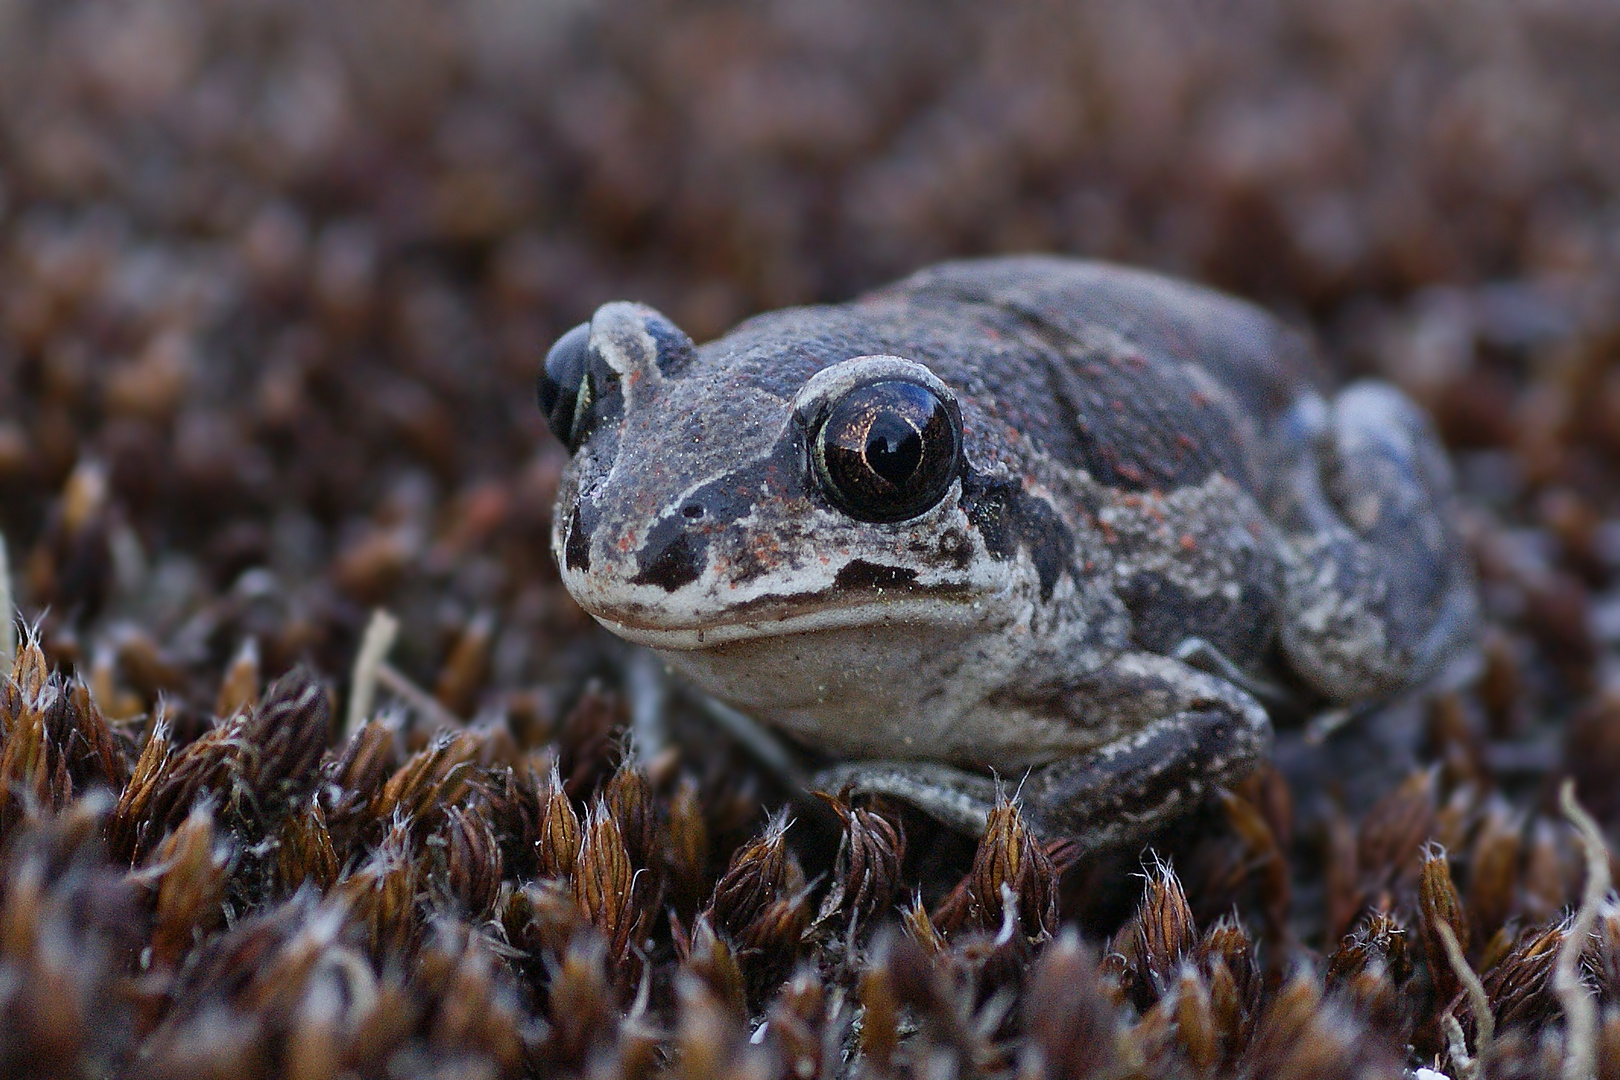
{"points": [[426, 705], [1478, 1001], [374, 646], [8, 615], [1580, 1009], [648, 689]]}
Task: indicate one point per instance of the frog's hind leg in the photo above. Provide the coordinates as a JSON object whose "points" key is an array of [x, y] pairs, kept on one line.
{"points": [[1203, 733], [1380, 590], [1101, 801]]}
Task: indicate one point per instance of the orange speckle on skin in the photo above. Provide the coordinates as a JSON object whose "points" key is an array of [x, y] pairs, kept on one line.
{"points": [[1188, 543]]}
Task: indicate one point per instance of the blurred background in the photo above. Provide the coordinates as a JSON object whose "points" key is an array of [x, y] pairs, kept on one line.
{"points": [[276, 277]]}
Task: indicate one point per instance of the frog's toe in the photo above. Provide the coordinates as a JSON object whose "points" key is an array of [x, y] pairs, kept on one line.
{"points": [[958, 799], [1198, 653]]}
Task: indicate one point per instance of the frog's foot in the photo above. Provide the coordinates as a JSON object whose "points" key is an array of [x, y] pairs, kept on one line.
{"points": [[1119, 794], [1110, 798], [1380, 590]]}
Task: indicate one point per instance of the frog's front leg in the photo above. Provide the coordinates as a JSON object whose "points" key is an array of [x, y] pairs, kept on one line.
{"points": [[1380, 592], [1172, 734]]}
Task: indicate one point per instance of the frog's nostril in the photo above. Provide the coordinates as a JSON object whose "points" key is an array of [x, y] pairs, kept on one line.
{"points": [[692, 511]]}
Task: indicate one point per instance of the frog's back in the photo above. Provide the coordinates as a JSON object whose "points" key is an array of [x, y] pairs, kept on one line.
{"points": [[1147, 382], [1260, 361]]}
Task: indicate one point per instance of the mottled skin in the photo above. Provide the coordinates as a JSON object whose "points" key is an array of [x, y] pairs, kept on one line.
{"points": [[1160, 513]]}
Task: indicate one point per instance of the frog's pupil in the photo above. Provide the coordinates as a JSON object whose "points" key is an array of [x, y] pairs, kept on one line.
{"points": [[893, 449]]}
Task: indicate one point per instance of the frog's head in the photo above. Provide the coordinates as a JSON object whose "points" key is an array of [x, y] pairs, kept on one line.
{"points": [[788, 481]]}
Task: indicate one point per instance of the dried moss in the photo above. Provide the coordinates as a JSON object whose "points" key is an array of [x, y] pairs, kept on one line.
{"points": [[274, 279]]}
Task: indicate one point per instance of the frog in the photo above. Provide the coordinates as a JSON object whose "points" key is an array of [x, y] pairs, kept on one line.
{"points": [[1030, 520]]}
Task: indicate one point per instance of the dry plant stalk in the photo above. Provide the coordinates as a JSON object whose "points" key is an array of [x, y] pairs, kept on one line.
{"points": [[8, 614], [374, 646], [1580, 1010], [1478, 1000]]}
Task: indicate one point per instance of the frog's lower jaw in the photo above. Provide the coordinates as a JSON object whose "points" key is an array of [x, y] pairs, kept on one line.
{"points": [[918, 614]]}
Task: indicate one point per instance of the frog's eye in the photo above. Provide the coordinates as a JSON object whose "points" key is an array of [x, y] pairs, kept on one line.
{"points": [[564, 389], [887, 450]]}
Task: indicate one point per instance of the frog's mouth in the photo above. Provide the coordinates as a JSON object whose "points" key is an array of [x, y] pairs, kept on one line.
{"points": [[787, 616]]}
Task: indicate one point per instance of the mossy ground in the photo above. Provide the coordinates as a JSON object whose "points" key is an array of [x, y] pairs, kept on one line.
{"points": [[275, 277]]}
